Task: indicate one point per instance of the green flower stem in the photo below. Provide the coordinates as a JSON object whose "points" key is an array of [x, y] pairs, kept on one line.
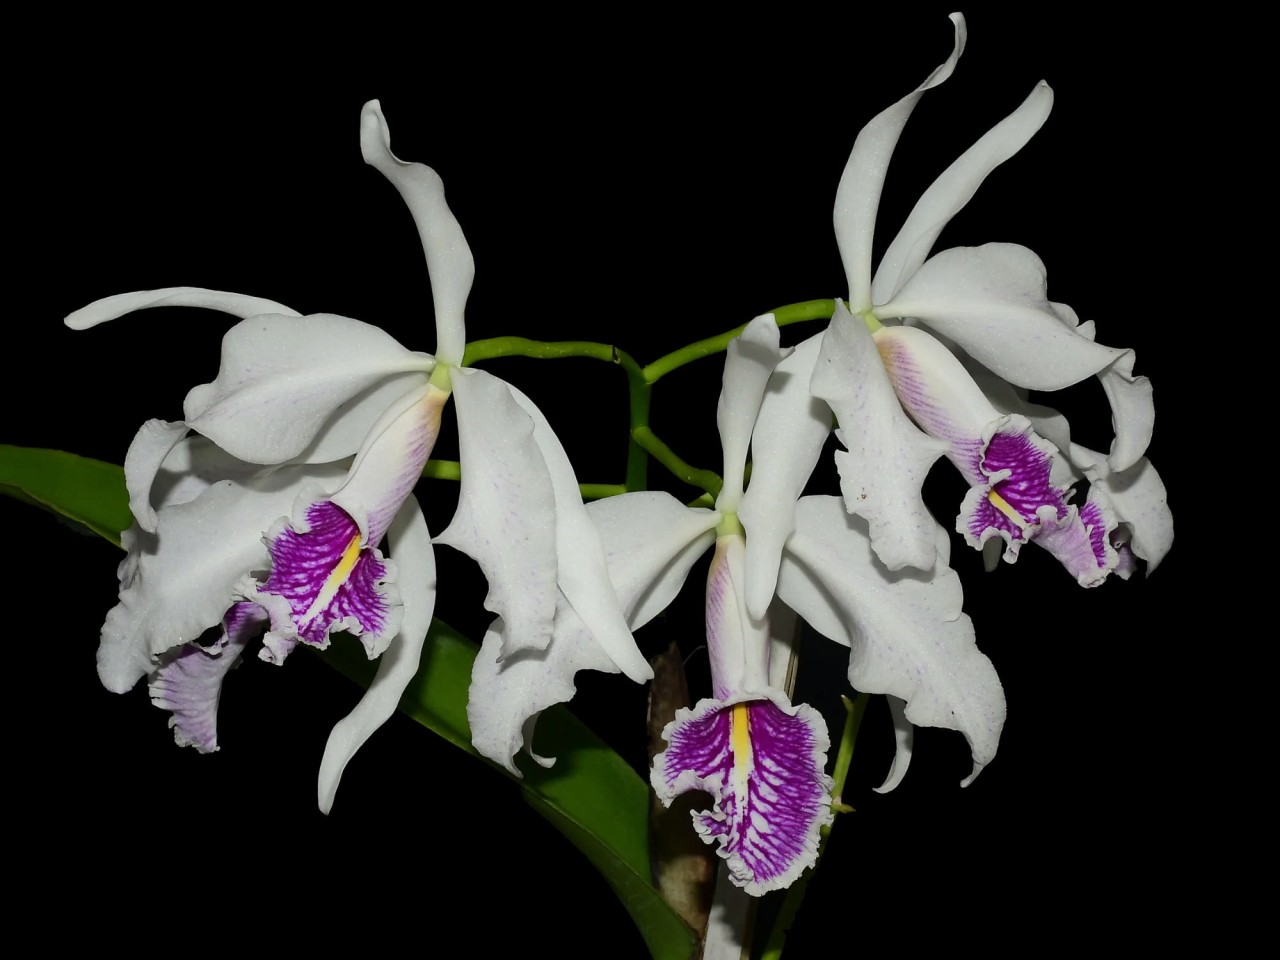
{"points": [[452, 470], [708, 480], [791, 313], [795, 894], [637, 462]]}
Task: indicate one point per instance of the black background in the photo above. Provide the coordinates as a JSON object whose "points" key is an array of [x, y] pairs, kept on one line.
{"points": [[655, 185]]}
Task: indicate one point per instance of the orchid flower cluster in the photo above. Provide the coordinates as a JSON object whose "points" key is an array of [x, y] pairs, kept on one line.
{"points": [[281, 505]]}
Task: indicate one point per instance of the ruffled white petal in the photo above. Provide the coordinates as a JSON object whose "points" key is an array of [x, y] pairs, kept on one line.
{"points": [[749, 362], [953, 189], [1138, 499], [650, 541], [449, 261], [182, 580], [785, 445], [887, 456], [991, 301], [909, 636], [293, 385], [411, 548], [506, 508], [236, 304], [858, 196]]}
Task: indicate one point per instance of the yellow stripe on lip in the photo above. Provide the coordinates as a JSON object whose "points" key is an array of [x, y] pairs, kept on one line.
{"points": [[740, 744], [337, 577], [1003, 505]]}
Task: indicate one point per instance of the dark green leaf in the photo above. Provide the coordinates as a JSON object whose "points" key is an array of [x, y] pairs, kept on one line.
{"points": [[88, 492]]}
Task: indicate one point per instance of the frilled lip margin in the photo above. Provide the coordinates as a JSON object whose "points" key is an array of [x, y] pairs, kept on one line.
{"points": [[762, 762]]}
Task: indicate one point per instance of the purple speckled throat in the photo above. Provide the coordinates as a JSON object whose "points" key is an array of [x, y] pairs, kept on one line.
{"points": [[764, 766], [329, 581], [1024, 490]]}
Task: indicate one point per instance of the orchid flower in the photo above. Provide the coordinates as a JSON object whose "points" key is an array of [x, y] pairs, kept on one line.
{"points": [[760, 756], [893, 368], [264, 507]]}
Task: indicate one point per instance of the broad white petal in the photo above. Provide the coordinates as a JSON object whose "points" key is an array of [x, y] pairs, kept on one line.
{"points": [[449, 261], [181, 581], [887, 456], [650, 541], [293, 385], [411, 548], [236, 304], [153, 442], [953, 189], [858, 195], [749, 362], [581, 570], [506, 508], [991, 301], [1137, 497], [785, 445], [909, 635]]}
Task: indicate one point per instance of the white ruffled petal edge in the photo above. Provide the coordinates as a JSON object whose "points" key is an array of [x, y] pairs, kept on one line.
{"points": [[906, 632]]}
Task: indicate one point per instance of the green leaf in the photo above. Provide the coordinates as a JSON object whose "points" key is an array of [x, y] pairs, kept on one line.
{"points": [[591, 795], [88, 492]]}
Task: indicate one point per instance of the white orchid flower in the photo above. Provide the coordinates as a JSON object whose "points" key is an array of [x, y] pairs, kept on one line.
{"points": [[902, 394], [760, 756], [264, 507]]}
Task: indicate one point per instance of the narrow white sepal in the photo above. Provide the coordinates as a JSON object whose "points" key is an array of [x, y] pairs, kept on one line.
{"points": [[858, 196], [411, 548], [111, 308], [786, 443], [449, 262], [953, 189], [749, 362]]}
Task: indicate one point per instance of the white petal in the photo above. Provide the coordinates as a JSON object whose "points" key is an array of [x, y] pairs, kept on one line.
{"points": [[412, 551], [506, 508], [449, 261], [289, 385], [1137, 497], [182, 580], [909, 636], [991, 301], [581, 570], [749, 362], [151, 445], [953, 189], [858, 195], [738, 644], [651, 540], [785, 445], [888, 456], [236, 304]]}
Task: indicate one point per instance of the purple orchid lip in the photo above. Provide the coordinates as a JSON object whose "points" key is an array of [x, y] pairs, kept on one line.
{"points": [[327, 579], [762, 761]]}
